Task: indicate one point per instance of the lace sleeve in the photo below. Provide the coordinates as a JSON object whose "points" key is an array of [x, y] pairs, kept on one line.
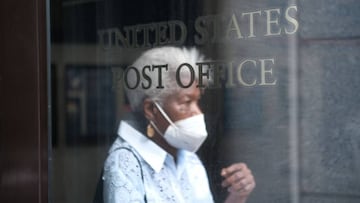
{"points": [[122, 178]]}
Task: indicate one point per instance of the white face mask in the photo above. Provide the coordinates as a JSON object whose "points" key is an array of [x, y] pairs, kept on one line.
{"points": [[186, 134]]}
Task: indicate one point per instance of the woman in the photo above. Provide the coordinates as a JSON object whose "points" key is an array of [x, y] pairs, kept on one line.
{"points": [[153, 159]]}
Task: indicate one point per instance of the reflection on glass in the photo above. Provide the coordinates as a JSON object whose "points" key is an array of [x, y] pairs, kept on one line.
{"points": [[282, 100]]}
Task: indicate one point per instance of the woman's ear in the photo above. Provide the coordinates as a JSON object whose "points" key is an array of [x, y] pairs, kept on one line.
{"points": [[149, 109]]}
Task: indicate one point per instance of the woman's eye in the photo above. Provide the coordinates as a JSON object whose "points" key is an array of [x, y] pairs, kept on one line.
{"points": [[186, 102]]}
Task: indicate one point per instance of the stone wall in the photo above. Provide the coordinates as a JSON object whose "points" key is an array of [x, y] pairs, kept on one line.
{"points": [[300, 137]]}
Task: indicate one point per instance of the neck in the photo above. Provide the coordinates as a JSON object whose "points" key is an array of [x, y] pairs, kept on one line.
{"points": [[159, 140]]}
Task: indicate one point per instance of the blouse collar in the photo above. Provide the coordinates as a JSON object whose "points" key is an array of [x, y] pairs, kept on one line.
{"points": [[153, 154]]}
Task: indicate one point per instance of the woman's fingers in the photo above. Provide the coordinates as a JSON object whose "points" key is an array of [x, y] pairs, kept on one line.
{"points": [[238, 179]]}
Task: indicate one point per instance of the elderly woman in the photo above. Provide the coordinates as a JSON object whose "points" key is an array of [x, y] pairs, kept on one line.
{"points": [[153, 158]]}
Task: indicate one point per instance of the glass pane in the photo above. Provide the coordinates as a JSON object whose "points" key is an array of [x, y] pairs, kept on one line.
{"points": [[277, 85]]}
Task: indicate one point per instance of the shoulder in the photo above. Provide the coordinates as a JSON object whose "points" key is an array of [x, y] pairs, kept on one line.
{"points": [[122, 157], [122, 175]]}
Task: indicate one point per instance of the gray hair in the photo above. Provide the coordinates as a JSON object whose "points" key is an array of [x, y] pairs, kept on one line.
{"points": [[173, 57]]}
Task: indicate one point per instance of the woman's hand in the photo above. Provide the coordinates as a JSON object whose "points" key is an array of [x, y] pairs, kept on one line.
{"points": [[239, 181]]}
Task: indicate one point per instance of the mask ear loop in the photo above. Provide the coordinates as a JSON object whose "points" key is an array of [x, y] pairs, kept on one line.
{"points": [[156, 128], [164, 114]]}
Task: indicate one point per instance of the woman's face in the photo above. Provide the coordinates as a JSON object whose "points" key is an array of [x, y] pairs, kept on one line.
{"points": [[180, 105]]}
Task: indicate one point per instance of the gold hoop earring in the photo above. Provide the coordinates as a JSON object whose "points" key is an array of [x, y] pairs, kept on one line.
{"points": [[150, 131]]}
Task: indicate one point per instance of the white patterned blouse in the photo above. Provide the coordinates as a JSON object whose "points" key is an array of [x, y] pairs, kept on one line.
{"points": [[138, 170]]}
